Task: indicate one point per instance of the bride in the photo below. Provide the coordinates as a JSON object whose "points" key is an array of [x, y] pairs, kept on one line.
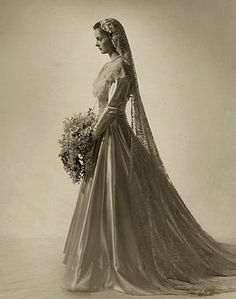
{"points": [[130, 231]]}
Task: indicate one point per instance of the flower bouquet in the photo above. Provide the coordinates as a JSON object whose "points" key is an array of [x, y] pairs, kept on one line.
{"points": [[77, 143]]}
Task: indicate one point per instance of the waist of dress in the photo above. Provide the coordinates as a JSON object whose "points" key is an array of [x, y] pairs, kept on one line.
{"points": [[117, 111]]}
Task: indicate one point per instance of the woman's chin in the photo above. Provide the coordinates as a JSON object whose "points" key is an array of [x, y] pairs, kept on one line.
{"points": [[102, 51]]}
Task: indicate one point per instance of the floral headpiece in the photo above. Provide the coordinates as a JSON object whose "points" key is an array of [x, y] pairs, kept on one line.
{"points": [[108, 26]]}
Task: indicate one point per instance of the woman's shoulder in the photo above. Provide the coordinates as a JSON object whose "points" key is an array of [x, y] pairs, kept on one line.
{"points": [[118, 68]]}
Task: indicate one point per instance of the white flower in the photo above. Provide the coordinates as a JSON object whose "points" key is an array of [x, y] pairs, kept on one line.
{"points": [[107, 26]]}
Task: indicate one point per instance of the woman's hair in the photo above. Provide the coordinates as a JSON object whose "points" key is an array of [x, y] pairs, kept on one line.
{"points": [[98, 26]]}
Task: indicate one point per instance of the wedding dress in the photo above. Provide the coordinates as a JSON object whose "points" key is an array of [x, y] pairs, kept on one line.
{"points": [[117, 239]]}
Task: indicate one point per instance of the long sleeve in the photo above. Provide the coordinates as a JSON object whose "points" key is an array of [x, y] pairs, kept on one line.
{"points": [[116, 96]]}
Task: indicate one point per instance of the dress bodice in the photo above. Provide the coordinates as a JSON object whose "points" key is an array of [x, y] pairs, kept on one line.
{"points": [[112, 81]]}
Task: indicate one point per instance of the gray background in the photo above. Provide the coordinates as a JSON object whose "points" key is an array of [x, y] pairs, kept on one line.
{"points": [[185, 57]]}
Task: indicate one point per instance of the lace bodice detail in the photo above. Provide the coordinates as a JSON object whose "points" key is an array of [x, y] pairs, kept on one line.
{"points": [[112, 88], [105, 84]]}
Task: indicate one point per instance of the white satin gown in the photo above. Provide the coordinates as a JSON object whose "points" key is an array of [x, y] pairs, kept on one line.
{"points": [[104, 248]]}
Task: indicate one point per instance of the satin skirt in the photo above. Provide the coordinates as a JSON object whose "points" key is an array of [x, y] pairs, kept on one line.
{"points": [[103, 246]]}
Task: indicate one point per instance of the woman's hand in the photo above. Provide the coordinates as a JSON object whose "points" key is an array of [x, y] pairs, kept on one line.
{"points": [[95, 138], [90, 153], [96, 134]]}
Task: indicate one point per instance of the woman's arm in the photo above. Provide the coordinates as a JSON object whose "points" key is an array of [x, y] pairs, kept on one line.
{"points": [[117, 93]]}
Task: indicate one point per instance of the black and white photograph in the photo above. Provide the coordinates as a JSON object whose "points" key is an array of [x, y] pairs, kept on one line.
{"points": [[118, 146]]}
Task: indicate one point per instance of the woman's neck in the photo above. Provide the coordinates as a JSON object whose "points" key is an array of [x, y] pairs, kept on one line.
{"points": [[113, 55]]}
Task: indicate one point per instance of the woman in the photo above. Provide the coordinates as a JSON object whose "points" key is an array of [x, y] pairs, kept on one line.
{"points": [[130, 230]]}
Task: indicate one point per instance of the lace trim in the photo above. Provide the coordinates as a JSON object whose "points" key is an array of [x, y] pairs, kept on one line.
{"points": [[110, 72]]}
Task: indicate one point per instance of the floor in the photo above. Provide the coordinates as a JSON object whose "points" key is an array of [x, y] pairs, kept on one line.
{"points": [[31, 268]]}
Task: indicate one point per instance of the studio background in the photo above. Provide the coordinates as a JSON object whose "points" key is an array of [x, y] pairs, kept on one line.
{"points": [[185, 55]]}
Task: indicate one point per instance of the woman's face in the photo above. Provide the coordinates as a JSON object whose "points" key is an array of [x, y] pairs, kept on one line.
{"points": [[103, 42]]}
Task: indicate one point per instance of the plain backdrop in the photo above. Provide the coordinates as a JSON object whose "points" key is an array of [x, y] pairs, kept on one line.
{"points": [[185, 57]]}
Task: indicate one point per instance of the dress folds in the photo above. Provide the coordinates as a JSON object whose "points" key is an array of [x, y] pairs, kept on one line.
{"points": [[115, 241]]}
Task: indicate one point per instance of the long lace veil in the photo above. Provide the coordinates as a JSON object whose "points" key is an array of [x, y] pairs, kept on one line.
{"points": [[165, 222], [139, 121]]}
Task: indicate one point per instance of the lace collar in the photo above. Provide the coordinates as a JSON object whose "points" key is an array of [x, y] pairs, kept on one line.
{"points": [[114, 58], [108, 74]]}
